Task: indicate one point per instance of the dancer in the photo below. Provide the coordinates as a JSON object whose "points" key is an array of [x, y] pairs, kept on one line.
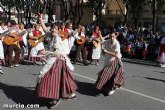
{"points": [[55, 80], [111, 76]]}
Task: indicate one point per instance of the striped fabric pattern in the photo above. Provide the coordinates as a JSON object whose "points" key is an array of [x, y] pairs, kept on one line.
{"points": [[110, 76], [35, 59], [2, 62], [57, 82]]}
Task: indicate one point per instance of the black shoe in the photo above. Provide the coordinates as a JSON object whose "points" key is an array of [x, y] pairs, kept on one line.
{"points": [[105, 94], [53, 104], [86, 64]]}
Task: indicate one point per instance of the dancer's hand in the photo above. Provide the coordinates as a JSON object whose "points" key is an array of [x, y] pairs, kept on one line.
{"points": [[118, 55], [105, 51]]}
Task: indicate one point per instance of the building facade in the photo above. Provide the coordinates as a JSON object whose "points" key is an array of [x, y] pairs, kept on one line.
{"points": [[113, 12]]}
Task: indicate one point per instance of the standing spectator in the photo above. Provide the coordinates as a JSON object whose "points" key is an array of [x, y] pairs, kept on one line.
{"points": [[145, 50], [97, 39], [161, 53], [81, 47], [15, 46]]}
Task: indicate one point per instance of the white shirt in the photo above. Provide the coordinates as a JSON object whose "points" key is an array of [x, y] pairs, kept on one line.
{"points": [[112, 47]]}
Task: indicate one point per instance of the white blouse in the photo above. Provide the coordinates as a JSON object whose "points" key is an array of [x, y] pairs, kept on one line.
{"points": [[112, 47]]}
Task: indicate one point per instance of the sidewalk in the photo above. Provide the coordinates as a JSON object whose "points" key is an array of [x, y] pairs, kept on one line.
{"points": [[143, 62]]}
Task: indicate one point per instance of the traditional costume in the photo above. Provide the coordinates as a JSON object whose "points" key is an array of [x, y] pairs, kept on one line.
{"points": [[55, 80], [111, 76], [96, 51], [80, 47], [34, 50], [161, 54], [13, 49]]}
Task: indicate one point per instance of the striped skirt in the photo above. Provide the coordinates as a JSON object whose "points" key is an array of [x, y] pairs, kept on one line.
{"points": [[36, 59], [57, 82], [110, 76]]}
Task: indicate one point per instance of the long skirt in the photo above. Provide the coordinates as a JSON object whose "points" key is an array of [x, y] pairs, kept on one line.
{"points": [[57, 82], [33, 57], [110, 76], [96, 54]]}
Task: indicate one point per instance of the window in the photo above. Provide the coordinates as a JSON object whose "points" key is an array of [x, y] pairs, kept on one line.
{"points": [[117, 12], [109, 12]]}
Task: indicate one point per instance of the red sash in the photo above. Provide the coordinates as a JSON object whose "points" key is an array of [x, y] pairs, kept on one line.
{"points": [[36, 33]]}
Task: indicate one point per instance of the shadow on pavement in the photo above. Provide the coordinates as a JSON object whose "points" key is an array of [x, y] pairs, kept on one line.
{"points": [[149, 78], [87, 89], [141, 62], [159, 72], [155, 79], [22, 95]]}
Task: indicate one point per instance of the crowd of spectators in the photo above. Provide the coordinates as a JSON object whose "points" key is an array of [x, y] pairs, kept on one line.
{"points": [[141, 44]]}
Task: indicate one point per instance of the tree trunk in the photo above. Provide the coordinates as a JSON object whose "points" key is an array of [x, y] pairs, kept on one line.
{"points": [[9, 14], [135, 18], [29, 13], [135, 23], [154, 16], [126, 15], [18, 14]]}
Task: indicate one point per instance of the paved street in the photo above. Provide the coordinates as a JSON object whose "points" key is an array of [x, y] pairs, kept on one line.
{"points": [[144, 89]]}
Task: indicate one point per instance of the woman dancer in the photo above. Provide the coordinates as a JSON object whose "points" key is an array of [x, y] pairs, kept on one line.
{"points": [[111, 76], [55, 80]]}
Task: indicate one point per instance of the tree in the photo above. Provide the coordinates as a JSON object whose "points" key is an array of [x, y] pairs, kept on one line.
{"points": [[97, 6], [156, 11], [8, 4], [19, 4], [72, 11], [76, 11], [137, 8], [125, 15]]}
